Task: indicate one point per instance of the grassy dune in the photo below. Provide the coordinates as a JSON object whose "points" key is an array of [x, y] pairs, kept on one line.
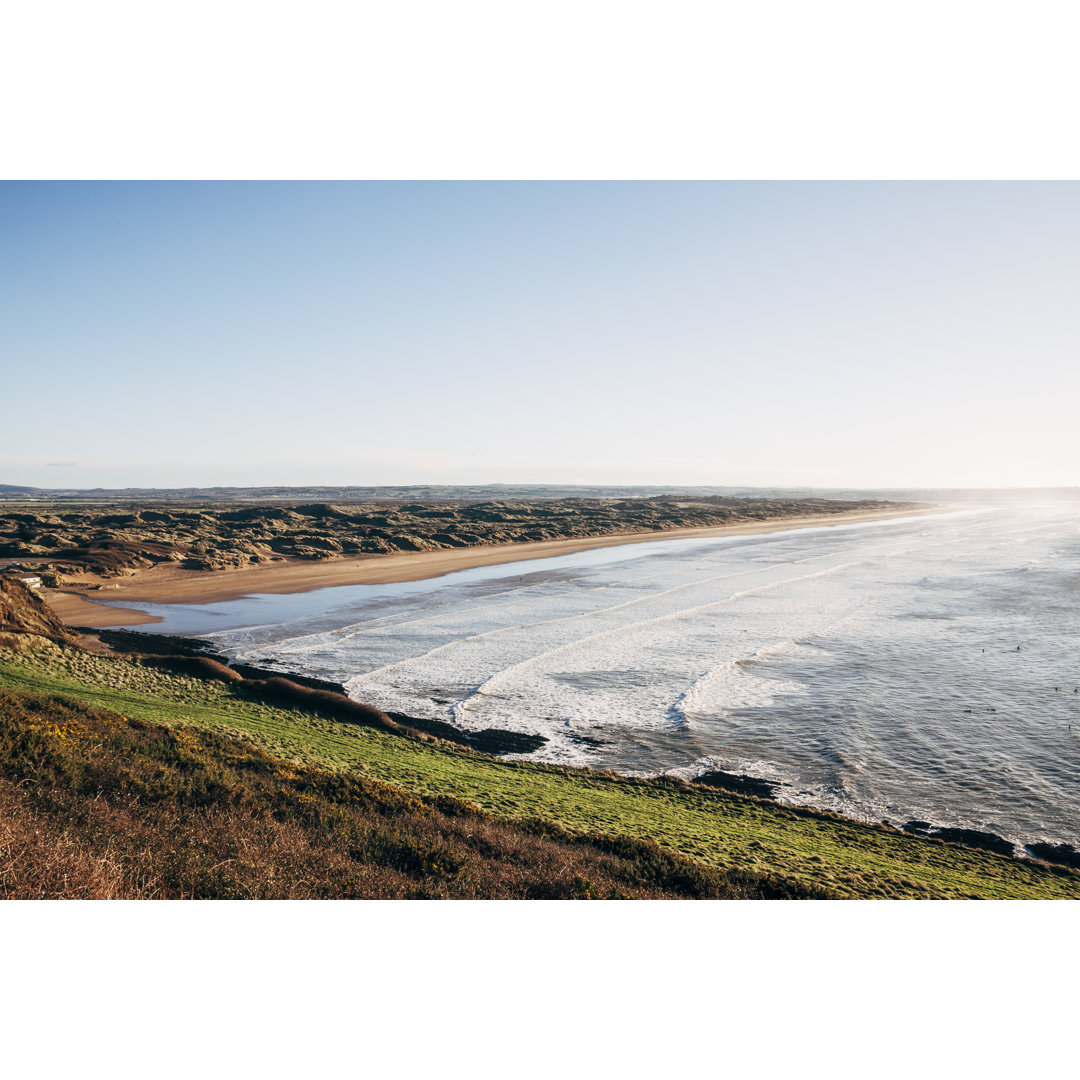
{"points": [[727, 832], [116, 540]]}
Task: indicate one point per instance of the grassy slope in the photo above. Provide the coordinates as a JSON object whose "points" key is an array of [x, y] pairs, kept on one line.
{"points": [[725, 831], [94, 805]]}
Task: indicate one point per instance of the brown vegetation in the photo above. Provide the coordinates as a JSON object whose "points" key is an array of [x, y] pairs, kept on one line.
{"points": [[94, 805], [22, 611], [100, 540]]}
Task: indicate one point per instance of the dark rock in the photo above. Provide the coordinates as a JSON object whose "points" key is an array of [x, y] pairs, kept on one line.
{"points": [[917, 826], [494, 741], [586, 740], [488, 741], [136, 641], [439, 728], [987, 841], [740, 784], [1062, 854], [973, 838]]}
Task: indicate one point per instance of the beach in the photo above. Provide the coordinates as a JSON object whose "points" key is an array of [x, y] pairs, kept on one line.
{"points": [[780, 660], [167, 583], [871, 669]]}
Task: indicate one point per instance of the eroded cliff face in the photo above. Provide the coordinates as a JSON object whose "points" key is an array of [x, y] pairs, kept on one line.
{"points": [[22, 611], [112, 542]]}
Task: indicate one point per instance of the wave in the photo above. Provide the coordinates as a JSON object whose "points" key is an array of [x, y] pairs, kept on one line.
{"points": [[730, 687], [875, 674], [321, 640], [500, 677], [371, 627]]}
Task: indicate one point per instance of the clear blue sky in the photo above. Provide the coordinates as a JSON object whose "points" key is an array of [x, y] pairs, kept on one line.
{"points": [[857, 334]]}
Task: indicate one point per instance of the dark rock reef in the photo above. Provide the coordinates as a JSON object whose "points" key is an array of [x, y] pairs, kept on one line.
{"points": [[739, 783], [987, 841], [1061, 854], [194, 656]]}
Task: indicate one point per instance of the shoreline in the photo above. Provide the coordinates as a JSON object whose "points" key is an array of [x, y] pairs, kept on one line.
{"points": [[496, 742], [166, 583], [747, 832]]}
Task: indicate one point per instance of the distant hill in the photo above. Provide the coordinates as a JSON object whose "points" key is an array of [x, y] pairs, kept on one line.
{"points": [[485, 492]]}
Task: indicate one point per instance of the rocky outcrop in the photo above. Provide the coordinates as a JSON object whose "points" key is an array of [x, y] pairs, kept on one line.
{"points": [[975, 838], [739, 783], [1062, 854], [488, 741], [195, 656]]}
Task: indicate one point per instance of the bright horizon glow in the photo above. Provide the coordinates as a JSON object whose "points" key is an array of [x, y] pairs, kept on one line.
{"points": [[861, 335]]}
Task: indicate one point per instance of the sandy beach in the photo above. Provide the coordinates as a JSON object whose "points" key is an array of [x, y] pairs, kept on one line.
{"points": [[166, 583]]}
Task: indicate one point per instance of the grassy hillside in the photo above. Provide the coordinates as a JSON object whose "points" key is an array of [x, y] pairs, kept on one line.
{"points": [[726, 832], [98, 806]]}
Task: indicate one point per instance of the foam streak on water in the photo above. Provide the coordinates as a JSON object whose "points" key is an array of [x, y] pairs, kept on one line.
{"points": [[873, 669]]}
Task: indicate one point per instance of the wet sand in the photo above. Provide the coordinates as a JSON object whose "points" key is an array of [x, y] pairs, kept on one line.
{"points": [[168, 584]]}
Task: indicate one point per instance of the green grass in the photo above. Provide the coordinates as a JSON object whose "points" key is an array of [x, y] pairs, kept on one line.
{"points": [[95, 805], [725, 831]]}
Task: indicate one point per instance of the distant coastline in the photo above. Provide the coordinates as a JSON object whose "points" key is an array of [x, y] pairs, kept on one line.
{"points": [[99, 603]]}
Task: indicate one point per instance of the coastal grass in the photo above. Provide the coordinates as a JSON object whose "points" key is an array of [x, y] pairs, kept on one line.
{"points": [[95, 805], [727, 832]]}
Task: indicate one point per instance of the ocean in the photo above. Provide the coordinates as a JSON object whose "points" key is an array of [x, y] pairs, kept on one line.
{"points": [[917, 668]]}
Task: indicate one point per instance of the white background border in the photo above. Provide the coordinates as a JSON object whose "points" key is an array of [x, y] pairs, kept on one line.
{"points": [[422, 90]]}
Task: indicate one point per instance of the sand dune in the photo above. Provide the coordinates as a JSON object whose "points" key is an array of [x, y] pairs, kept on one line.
{"points": [[166, 583]]}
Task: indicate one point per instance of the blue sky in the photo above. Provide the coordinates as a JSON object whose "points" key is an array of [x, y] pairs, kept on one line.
{"points": [[855, 334]]}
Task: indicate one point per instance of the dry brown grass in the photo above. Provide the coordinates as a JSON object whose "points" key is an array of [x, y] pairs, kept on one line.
{"points": [[97, 806]]}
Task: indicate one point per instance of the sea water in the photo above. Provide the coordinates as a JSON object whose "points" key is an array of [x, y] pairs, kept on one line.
{"points": [[924, 667]]}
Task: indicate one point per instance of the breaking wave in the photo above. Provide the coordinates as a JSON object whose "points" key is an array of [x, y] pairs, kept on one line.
{"points": [[872, 669]]}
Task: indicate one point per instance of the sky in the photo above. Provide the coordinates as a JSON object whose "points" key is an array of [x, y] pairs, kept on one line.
{"points": [[854, 334]]}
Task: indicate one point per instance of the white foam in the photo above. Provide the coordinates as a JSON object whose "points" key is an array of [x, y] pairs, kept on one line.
{"points": [[735, 685], [844, 662]]}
